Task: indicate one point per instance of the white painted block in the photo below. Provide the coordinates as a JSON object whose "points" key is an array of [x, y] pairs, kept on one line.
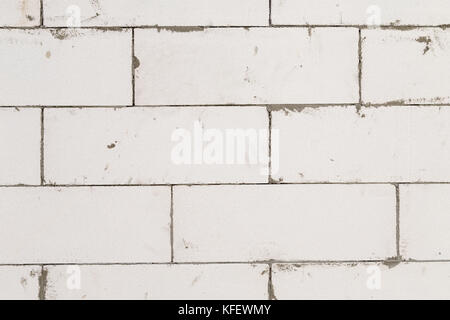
{"points": [[361, 12], [284, 222], [119, 13], [406, 66], [253, 66], [20, 13], [405, 281], [342, 144], [19, 282], [139, 145], [425, 222], [65, 67], [20, 145], [84, 225], [155, 282]]}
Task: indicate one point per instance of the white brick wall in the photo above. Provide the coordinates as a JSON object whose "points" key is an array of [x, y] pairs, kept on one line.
{"points": [[344, 144], [362, 281], [84, 225], [115, 156], [156, 282], [424, 212], [360, 12], [158, 12], [20, 282], [239, 66], [133, 146], [255, 223], [65, 67], [400, 66], [20, 142], [15, 13]]}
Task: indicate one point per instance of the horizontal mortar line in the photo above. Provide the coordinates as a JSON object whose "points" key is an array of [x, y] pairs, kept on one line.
{"points": [[262, 105], [136, 106], [310, 262], [214, 184], [272, 26], [136, 263], [404, 104], [363, 26]]}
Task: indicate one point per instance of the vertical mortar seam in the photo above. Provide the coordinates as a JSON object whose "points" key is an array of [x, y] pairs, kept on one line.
{"points": [[41, 9], [269, 167], [270, 288], [270, 12], [397, 220], [42, 167], [42, 282], [360, 67], [133, 72], [171, 225]]}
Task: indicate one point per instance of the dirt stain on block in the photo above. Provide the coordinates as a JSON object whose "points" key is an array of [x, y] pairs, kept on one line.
{"points": [[112, 145], [427, 41], [64, 34]]}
